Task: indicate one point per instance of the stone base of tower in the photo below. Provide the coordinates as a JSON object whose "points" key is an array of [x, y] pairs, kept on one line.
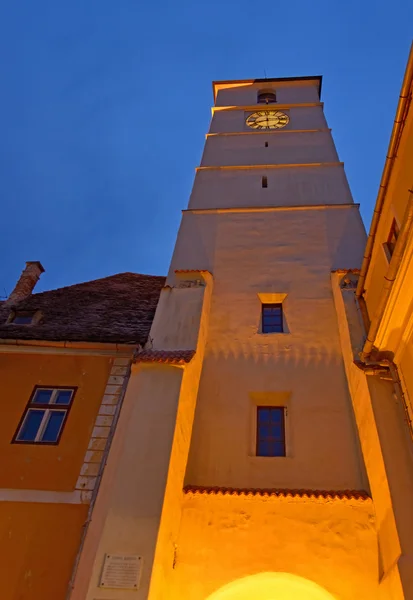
{"points": [[327, 540]]}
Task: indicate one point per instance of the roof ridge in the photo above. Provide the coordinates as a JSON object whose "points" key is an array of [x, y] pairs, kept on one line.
{"points": [[82, 283]]}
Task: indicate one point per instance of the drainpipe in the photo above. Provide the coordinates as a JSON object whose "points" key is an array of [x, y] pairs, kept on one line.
{"points": [[401, 114], [98, 481], [390, 277]]}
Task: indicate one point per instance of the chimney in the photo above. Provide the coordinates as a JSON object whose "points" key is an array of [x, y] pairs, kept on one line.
{"points": [[28, 279]]}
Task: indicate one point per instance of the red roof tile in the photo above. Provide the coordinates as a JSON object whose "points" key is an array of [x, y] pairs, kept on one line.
{"points": [[165, 356], [115, 309], [328, 494]]}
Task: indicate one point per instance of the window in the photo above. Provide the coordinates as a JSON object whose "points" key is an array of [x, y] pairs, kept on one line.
{"points": [[45, 415], [270, 431], [272, 318], [392, 239], [266, 97], [22, 318], [264, 182]]}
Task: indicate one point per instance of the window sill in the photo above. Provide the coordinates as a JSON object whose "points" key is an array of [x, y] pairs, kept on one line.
{"points": [[274, 333], [263, 458]]}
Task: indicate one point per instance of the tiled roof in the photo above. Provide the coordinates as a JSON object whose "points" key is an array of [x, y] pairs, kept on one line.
{"points": [[327, 494], [115, 309], [177, 357]]}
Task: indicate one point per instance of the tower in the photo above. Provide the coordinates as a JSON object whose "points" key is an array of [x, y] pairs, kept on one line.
{"points": [[270, 216], [237, 446]]}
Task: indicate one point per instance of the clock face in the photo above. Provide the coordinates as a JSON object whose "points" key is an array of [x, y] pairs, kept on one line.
{"points": [[267, 119]]}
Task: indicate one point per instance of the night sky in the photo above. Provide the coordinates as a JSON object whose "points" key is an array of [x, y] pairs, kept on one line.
{"points": [[105, 105]]}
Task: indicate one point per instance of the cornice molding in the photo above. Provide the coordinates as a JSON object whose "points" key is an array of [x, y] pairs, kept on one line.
{"points": [[275, 131], [277, 166], [247, 209], [359, 495], [275, 106], [14, 346]]}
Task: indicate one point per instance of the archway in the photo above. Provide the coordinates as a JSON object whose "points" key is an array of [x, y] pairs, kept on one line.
{"points": [[271, 586]]}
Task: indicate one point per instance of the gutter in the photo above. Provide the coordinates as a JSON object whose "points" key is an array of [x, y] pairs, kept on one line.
{"points": [[18, 346], [399, 121]]}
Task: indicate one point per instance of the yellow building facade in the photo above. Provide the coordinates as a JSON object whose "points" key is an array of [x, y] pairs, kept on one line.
{"points": [[61, 393]]}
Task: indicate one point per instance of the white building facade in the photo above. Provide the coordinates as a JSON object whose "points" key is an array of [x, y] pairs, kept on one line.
{"points": [[236, 469]]}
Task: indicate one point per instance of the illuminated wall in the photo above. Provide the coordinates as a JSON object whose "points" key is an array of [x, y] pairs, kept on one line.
{"points": [[224, 538], [45, 490]]}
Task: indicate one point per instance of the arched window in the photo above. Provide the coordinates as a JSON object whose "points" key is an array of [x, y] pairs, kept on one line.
{"points": [[266, 97]]}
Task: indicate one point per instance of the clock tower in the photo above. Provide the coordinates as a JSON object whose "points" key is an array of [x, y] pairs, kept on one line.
{"points": [[236, 469]]}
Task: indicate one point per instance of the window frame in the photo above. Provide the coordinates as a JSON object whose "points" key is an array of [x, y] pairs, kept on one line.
{"points": [[267, 93], [272, 304], [48, 408], [282, 410], [18, 316], [394, 231], [34, 315]]}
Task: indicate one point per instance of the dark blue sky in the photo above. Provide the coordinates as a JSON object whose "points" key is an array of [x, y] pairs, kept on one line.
{"points": [[105, 104]]}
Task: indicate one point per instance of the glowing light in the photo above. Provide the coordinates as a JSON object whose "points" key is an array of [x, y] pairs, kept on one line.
{"points": [[272, 586]]}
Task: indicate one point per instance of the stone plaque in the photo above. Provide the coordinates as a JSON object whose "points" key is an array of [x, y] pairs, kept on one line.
{"points": [[121, 571]]}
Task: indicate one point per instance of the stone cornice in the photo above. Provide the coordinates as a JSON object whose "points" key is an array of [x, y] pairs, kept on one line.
{"points": [[273, 166], [262, 107]]}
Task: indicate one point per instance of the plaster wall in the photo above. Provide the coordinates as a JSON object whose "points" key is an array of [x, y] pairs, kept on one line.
{"points": [[180, 332], [287, 186], [288, 92], [323, 541], [301, 117], [279, 247], [127, 512], [57, 467], [39, 543], [289, 252], [284, 148]]}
